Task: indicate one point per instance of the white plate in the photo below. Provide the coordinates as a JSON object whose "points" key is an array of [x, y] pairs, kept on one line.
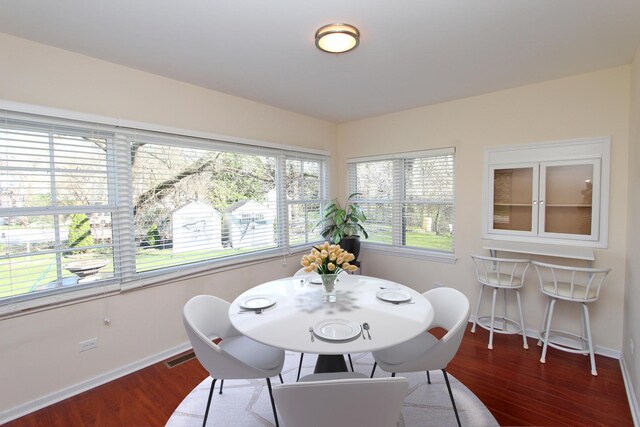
{"points": [[257, 302], [316, 280], [393, 295], [336, 329]]}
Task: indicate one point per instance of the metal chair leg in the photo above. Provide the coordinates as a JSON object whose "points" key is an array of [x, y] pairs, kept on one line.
{"points": [[300, 366], [473, 327], [544, 321], [281, 380], [273, 403], [221, 385], [546, 331], [350, 362], [453, 402], [206, 412], [525, 344], [375, 364], [585, 313], [393, 374], [493, 317], [428, 378]]}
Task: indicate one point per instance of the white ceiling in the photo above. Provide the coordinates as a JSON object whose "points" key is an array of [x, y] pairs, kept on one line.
{"points": [[412, 52]]}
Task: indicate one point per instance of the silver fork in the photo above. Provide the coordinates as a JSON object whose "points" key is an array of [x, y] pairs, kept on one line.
{"points": [[311, 332]]}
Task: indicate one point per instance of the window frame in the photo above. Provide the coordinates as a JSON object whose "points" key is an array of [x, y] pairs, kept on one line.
{"points": [[398, 201], [120, 203]]}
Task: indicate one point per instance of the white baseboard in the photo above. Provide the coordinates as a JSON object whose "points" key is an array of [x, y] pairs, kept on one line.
{"points": [[602, 351], [50, 399], [631, 394]]}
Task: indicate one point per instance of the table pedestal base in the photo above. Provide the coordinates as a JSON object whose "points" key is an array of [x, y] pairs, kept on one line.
{"points": [[330, 363]]}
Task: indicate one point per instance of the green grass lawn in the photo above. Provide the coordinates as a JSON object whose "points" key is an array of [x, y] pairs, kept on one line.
{"points": [[32, 273]]}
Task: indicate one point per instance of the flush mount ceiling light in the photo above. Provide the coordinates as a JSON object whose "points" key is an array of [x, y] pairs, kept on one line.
{"points": [[337, 38]]}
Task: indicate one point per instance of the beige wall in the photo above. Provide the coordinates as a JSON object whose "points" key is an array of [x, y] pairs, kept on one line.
{"points": [[588, 105], [39, 352], [632, 294]]}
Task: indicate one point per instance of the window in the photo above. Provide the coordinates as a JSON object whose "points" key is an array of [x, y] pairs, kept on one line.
{"points": [[408, 198], [84, 205]]}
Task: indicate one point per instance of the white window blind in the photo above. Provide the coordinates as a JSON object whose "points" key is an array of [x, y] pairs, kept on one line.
{"points": [[86, 205], [56, 207], [408, 198]]}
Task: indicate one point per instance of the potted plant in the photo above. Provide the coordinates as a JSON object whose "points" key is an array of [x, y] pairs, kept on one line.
{"points": [[343, 225]]}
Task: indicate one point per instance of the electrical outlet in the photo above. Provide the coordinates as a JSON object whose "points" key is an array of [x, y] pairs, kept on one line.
{"points": [[88, 344]]}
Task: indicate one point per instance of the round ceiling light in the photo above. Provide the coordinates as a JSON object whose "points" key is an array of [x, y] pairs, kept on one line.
{"points": [[337, 38]]}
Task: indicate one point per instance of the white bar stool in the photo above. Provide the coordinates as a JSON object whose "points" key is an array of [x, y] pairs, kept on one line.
{"points": [[574, 284], [505, 274]]}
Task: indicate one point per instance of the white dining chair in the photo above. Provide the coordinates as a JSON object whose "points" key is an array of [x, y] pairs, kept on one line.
{"points": [[235, 356], [504, 274], [357, 402], [425, 352], [573, 284]]}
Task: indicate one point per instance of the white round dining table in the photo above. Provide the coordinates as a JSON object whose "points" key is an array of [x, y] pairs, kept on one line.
{"points": [[297, 306]]}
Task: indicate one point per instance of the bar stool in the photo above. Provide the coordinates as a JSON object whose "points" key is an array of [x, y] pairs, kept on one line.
{"points": [[505, 274], [573, 284]]}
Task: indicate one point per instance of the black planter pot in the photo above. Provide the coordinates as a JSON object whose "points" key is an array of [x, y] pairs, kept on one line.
{"points": [[351, 244]]}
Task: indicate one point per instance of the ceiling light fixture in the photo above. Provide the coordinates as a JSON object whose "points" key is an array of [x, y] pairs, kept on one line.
{"points": [[337, 38]]}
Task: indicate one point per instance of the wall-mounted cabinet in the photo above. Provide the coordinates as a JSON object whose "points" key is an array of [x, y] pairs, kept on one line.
{"points": [[548, 193]]}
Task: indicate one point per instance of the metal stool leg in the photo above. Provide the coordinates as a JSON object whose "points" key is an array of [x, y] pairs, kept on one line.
{"points": [[546, 331], [493, 316], [473, 327], [544, 320], [300, 366], [221, 384], [585, 313], [524, 334]]}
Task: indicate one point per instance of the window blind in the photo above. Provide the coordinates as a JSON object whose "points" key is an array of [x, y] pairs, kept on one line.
{"points": [[56, 207], [408, 198], [85, 205]]}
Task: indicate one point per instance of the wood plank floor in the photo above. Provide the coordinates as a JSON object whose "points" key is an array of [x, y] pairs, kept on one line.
{"points": [[512, 383]]}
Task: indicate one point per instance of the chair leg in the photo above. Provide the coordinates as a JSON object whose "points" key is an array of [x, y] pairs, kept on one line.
{"points": [[585, 313], [300, 366], [453, 402], [281, 380], [524, 334], [350, 362], [428, 378], [504, 309], [221, 384], [544, 320], [206, 412], [393, 374], [473, 327], [493, 316], [374, 369], [273, 403], [547, 330]]}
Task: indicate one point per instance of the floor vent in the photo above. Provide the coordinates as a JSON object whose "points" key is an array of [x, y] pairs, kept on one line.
{"points": [[178, 360]]}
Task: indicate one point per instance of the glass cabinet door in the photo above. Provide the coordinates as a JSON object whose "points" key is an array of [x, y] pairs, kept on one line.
{"points": [[514, 204], [567, 199]]}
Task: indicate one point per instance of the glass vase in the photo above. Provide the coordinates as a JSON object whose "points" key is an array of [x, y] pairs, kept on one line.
{"points": [[329, 287]]}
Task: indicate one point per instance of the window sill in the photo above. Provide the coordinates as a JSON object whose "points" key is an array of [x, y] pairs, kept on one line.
{"points": [[420, 254]]}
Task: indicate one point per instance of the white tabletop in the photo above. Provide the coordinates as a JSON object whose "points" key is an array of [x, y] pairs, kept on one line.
{"points": [[299, 305]]}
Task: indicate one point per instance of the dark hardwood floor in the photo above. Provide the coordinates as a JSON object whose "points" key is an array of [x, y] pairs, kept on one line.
{"points": [[512, 383]]}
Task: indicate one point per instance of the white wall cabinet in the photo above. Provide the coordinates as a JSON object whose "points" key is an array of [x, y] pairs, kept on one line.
{"points": [[548, 193]]}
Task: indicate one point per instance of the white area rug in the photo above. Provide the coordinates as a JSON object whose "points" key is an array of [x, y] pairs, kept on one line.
{"points": [[246, 402]]}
